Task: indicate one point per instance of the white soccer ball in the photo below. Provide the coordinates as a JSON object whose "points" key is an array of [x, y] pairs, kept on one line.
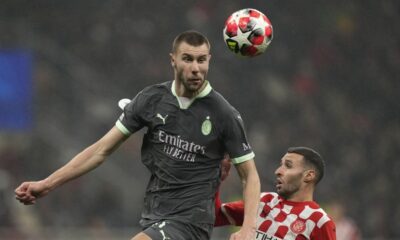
{"points": [[248, 32]]}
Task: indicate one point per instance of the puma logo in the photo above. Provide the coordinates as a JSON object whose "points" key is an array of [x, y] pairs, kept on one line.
{"points": [[163, 235], [161, 225], [162, 118]]}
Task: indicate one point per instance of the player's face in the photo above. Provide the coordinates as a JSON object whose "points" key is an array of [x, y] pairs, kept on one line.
{"points": [[289, 175], [191, 65]]}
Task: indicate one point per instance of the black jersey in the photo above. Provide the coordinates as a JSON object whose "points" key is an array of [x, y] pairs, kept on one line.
{"points": [[183, 149]]}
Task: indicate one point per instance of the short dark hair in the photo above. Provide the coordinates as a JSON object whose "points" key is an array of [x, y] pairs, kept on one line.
{"points": [[312, 158], [192, 38]]}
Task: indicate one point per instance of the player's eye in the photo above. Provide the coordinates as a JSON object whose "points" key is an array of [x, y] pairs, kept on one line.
{"points": [[187, 58], [288, 165], [202, 60]]}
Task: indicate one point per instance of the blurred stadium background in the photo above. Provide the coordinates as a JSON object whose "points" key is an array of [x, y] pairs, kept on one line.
{"points": [[330, 80]]}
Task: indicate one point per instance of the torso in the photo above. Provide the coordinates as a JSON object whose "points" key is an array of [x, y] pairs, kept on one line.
{"points": [[282, 219], [182, 148]]}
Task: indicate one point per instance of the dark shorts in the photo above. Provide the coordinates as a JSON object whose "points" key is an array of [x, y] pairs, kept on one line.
{"points": [[175, 230]]}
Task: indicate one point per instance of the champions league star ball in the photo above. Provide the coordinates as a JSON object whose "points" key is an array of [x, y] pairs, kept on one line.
{"points": [[248, 32]]}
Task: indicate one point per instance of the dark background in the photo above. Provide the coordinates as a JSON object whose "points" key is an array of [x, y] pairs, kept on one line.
{"points": [[329, 80]]}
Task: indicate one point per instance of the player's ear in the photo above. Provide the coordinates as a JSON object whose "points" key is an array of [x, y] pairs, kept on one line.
{"points": [[309, 175], [172, 59]]}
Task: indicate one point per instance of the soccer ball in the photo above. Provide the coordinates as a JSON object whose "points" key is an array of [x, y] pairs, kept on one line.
{"points": [[248, 32]]}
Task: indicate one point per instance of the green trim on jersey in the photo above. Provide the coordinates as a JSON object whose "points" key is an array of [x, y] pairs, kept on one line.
{"points": [[203, 93], [183, 151], [122, 128], [244, 158]]}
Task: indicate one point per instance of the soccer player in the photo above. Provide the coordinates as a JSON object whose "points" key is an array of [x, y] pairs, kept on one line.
{"points": [[290, 213], [190, 127]]}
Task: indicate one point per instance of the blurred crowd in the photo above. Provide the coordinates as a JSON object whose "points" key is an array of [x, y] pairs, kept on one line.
{"points": [[327, 81]]}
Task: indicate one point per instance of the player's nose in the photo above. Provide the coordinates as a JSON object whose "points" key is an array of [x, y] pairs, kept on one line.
{"points": [[278, 171], [195, 67]]}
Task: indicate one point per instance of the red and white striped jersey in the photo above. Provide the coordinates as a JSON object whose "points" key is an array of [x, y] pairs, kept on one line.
{"points": [[280, 219]]}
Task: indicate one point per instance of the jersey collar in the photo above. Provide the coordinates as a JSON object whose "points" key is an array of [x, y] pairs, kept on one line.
{"points": [[304, 203], [207, 89], [203, 93]]}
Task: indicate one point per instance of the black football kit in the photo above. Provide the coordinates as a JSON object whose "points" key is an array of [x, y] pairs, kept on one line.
{"points": [[183, 148]]}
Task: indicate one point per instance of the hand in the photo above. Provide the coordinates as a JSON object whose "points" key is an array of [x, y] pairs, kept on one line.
{"points": [[244, 234], [28, 192]]}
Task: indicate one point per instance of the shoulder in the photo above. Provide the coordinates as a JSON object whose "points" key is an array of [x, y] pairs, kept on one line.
{"points": [[157, 88], [325, 231], [225, 111], [155, 91], [269, 197], [317, 215], [220, 101], [323, 226]]}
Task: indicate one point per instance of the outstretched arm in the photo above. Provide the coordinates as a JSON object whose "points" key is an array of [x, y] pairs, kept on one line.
{"points": [[251, 193], [85, 161], [230, 213]]}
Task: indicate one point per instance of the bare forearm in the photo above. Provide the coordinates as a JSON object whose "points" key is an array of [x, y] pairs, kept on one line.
{"points": [[82, 163], [28, 192], [251, 194], [88, 159]]}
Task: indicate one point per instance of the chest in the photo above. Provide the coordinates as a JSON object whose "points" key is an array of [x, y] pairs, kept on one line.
{"points": [[198, 123], [282, 221]]}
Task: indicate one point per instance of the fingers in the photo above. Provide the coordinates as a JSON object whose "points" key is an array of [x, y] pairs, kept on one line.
{"points": [[22, 190], [27, 200], [243, 235], [24, 195], [234, 236]]}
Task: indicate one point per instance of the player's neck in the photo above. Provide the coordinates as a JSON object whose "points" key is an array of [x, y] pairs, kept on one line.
{"points": [[303, 195], [181, 90]]}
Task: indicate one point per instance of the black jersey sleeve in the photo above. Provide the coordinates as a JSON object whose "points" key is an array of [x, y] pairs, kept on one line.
{"points": [[235, 138], [131, 120]]}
